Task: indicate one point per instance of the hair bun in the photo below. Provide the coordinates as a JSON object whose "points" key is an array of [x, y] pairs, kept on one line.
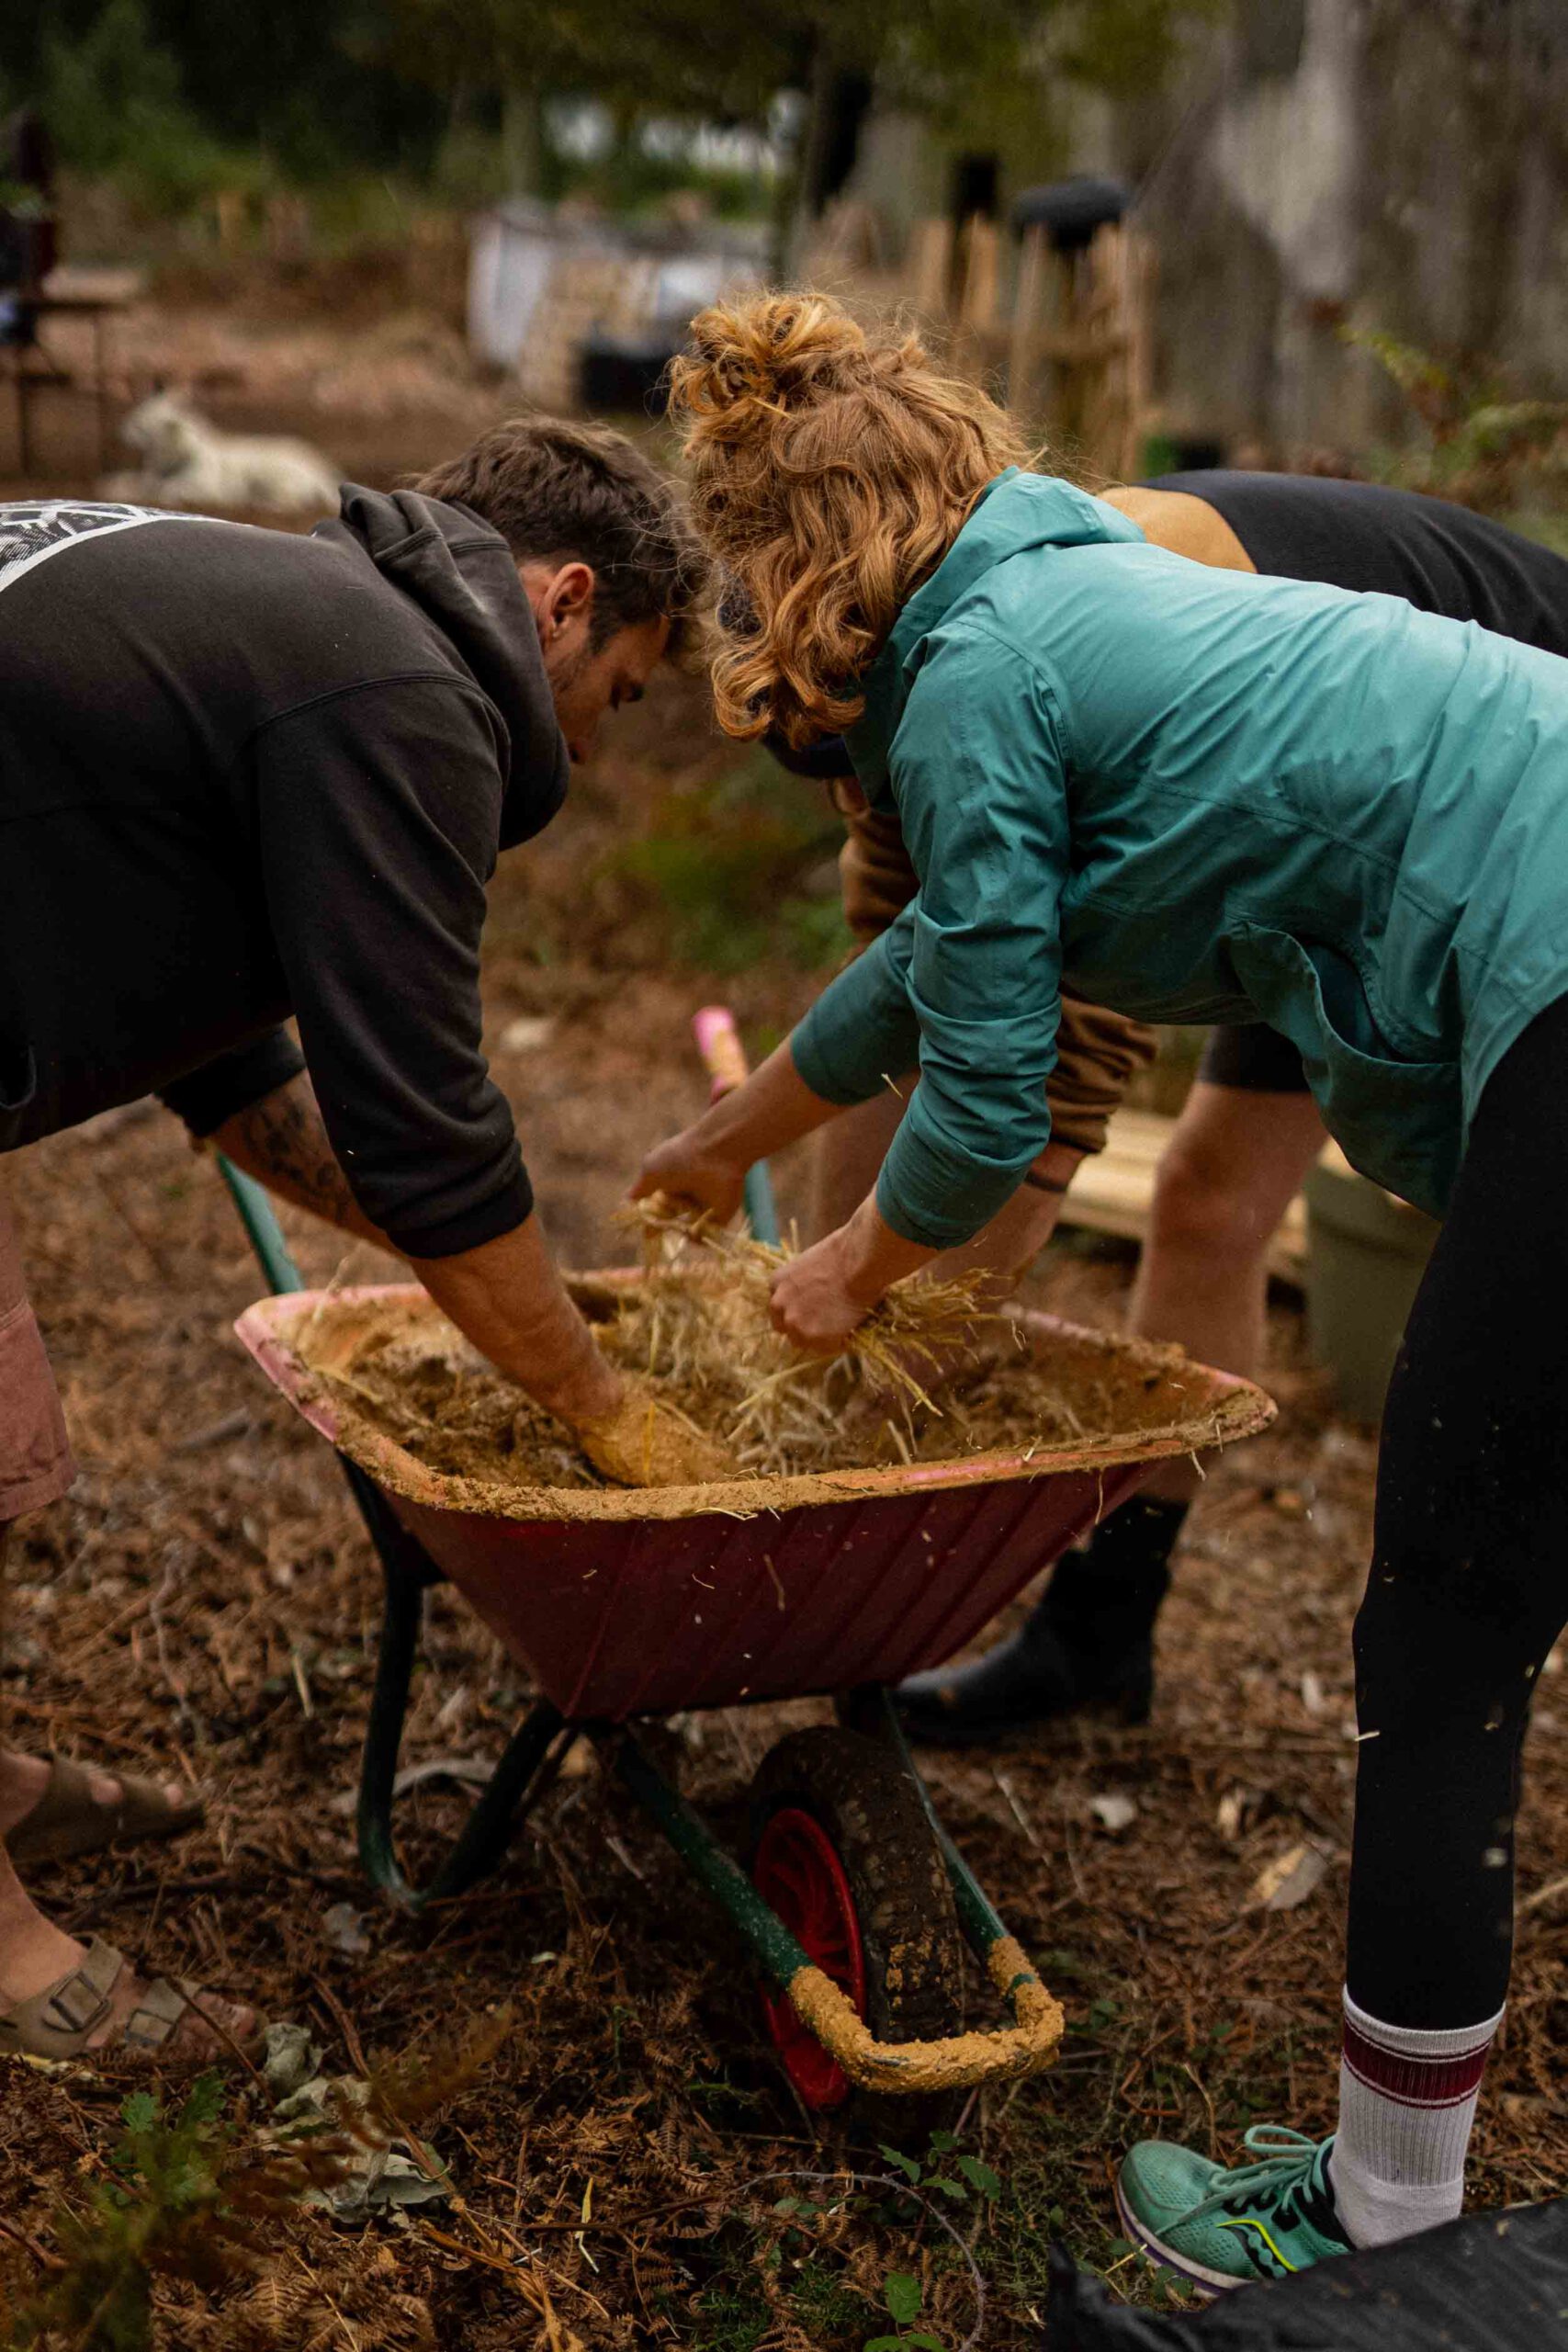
{"points": [[772, 354]]}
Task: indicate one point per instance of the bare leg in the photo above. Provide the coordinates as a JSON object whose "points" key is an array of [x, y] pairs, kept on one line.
{"points": [[32, 1953], [1231, 1170]]}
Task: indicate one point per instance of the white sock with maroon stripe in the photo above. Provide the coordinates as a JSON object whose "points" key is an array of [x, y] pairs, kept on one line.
{"points": [[1407, 2103]]}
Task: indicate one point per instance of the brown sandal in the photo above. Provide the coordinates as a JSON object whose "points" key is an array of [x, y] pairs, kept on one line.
{"points": [[60, 2022], [68, 1820]]}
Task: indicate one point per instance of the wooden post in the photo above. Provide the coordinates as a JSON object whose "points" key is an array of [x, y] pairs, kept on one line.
{"points": [[1141, 265], [931, 250], [1034, 261], [977, 304], [231, 205]]}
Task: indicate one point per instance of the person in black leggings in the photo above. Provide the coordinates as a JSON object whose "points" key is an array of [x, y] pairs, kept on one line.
{"points": [[1458, 1616], [1466, 1592], [1468, 1582]]}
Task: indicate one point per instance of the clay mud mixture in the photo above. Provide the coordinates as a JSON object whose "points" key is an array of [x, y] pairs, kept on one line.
{"points": [[399, 1370]]}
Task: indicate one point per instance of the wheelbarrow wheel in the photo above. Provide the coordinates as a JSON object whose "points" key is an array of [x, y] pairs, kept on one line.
{"points": [[844, 1853]]}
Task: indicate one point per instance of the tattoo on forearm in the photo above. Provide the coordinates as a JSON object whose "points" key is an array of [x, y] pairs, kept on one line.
{"points": [[285, 1132]]}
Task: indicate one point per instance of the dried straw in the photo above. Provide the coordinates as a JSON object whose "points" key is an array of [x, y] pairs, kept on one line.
{"points": [[933, 1373], [698, 1326]]}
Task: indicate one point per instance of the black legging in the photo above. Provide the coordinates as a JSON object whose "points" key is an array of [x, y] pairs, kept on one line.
{"points": [[1469, 1584]]}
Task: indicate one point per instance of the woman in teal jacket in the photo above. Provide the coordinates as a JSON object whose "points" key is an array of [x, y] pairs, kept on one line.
{"points": [[1206, 796]]}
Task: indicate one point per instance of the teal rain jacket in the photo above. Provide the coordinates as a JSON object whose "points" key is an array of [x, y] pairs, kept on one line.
{"points": [[1199, 796]]}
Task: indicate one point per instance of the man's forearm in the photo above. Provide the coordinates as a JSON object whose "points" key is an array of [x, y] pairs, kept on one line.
{"points": [[282, 1142], [507, 1296]]}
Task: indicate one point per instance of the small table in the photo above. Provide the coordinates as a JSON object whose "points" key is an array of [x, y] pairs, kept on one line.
{"points": [[99, 295]]}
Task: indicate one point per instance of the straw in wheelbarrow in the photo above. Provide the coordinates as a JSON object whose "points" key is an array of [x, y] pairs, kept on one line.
{"points": [[934, 1374]]}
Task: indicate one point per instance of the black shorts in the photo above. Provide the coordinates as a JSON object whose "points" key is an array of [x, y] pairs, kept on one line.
{"points": [[1254, 1057]]}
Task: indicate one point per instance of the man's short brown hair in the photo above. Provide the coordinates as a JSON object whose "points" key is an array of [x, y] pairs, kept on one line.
{"points": [[561, 490]]}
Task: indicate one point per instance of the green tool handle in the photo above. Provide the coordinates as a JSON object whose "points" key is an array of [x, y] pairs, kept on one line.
{"points": [[723, 1057], [260, 1221]]}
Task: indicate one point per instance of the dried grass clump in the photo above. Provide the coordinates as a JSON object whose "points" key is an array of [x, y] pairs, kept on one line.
{"points": [[698, 1326]]}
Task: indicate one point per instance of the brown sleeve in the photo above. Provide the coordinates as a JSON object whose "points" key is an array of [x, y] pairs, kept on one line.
{"points": [[1097, 1052], [873, 866]]}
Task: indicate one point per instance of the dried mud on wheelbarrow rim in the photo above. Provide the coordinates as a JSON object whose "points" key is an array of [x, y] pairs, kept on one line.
{"points": [[1220, 1408]]}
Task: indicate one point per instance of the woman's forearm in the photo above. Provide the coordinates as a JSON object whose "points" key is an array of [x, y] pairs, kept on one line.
{"points": [[873, 1255], [703, 1167], [1007, 1246], [774, 1107]]}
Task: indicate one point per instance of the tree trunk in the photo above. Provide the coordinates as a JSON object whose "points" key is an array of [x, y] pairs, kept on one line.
{"points": [[522, 139]]}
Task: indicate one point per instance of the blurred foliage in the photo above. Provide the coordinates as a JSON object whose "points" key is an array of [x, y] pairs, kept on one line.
{"points": [[699, 60], [179, 98], [1474, 442], [113, 98], [740, 872]]}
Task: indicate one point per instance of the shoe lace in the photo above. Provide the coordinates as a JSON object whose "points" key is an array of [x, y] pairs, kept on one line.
{"points": [[1285, 2163]]}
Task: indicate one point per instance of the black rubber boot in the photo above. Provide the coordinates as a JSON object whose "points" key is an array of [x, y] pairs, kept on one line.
{"points": [[1088, 1642]]}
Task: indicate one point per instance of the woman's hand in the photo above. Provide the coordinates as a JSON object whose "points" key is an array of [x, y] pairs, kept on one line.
{"points": [[693, 1176], [704, 1167], [812, 1302], [819, 1298]]}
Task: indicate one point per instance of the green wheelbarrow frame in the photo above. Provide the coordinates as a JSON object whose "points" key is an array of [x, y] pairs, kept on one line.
{"points": [[528, 1764]]}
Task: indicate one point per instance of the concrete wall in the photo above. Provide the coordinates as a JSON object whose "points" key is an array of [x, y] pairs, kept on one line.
{"points": [[1400, 164]]}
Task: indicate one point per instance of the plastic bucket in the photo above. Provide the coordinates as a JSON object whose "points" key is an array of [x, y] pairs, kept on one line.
{"points": [[1366, 1254]]}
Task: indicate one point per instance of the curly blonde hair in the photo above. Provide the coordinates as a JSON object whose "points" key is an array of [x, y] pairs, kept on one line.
{"points": [[831, 469]]}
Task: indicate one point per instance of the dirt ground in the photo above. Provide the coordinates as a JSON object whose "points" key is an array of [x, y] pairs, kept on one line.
{"points": [[206, 1602]]}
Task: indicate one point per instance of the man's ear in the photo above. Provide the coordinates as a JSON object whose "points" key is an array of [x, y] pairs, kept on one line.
{"points": [[558, 597]]}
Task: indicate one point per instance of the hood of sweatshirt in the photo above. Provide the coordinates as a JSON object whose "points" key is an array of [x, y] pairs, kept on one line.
{"points": [[1014, 513], [462, 575]]}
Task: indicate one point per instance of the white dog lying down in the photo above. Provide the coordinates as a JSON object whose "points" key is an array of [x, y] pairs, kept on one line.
{"points": [[185, 462]]}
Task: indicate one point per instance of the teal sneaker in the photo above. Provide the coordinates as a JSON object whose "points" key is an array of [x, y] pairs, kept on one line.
{"points": [[1226, 2229]]}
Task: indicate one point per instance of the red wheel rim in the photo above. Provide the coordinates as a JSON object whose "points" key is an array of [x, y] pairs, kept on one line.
{"points": [[798, 1873]]}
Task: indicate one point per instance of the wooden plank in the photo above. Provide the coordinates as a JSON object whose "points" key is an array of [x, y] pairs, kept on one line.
{"points": [[1034, 261], [70, 289]]}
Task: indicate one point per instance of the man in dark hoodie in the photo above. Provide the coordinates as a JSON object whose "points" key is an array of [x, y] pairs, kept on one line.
{"points": [[245, 775]]}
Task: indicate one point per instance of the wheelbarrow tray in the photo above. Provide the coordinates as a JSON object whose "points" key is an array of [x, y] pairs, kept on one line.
{"points": [[643, 1601]]}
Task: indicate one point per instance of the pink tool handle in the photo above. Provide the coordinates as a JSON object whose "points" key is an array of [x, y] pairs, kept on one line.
{"points": [[718, 1042]]}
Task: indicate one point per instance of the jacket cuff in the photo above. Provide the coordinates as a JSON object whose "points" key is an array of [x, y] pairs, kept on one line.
{"points": [[503, 1211], [940, 1197]]}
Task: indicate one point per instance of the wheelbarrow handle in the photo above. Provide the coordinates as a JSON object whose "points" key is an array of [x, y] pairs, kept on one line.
{"points": [[1003, 2054], [723, 1058]]}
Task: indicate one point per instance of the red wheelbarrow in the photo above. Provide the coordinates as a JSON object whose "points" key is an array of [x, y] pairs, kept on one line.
{"points": [[857, 1905]]}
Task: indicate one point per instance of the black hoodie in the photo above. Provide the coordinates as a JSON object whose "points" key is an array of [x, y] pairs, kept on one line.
{"points": [[245, 774]]}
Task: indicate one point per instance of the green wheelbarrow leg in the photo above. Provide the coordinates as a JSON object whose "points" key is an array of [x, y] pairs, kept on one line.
{"points": [[408, 1570], [525, 1767], [712, 1868], [265, 1233]]}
